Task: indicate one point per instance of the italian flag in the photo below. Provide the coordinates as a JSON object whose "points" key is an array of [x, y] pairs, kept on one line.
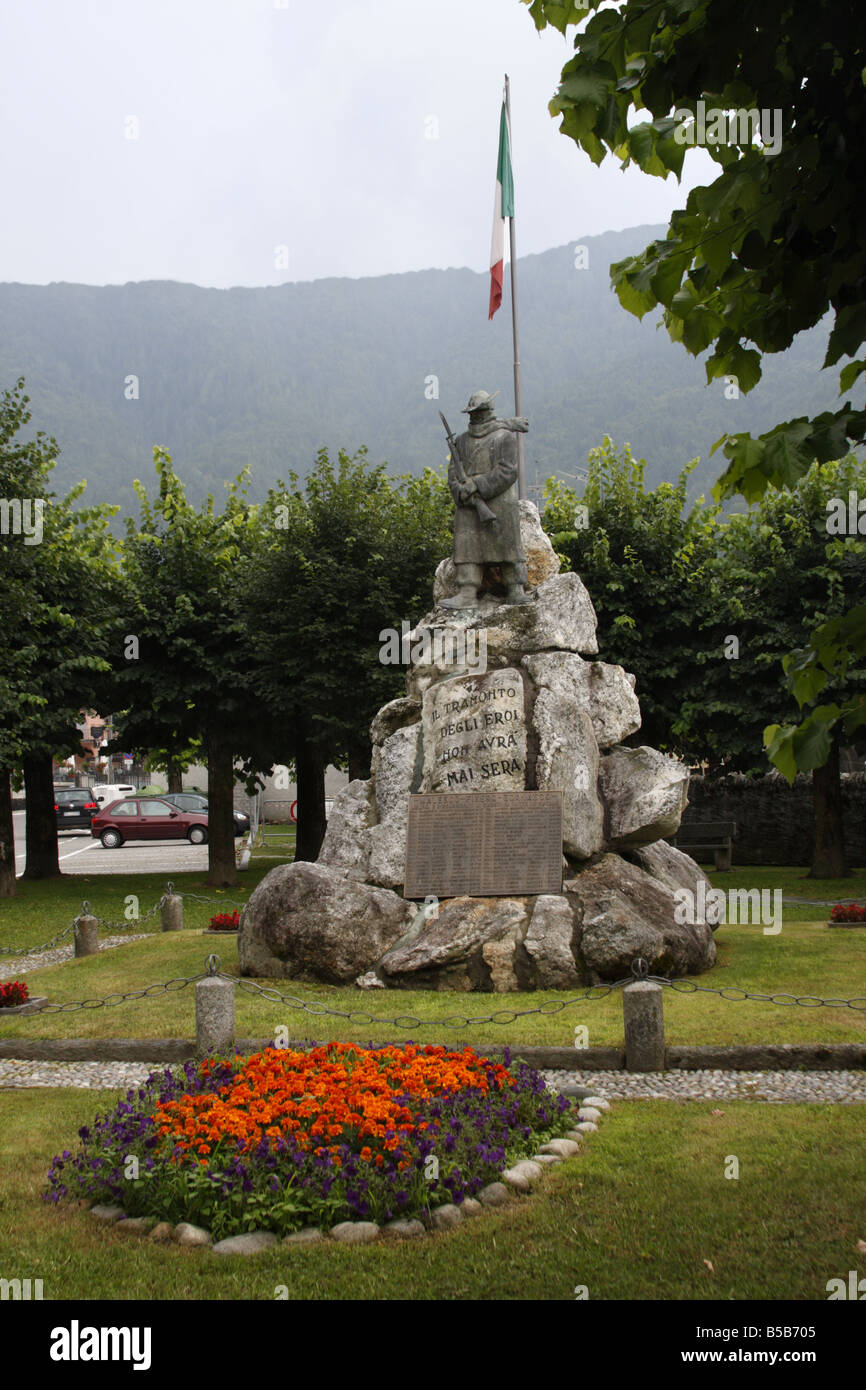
{"points": [[503, 207]]}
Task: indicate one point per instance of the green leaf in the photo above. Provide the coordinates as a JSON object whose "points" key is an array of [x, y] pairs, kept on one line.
{"points": [[585, 85], [849, 375], [779, 745], [746, 469], [848, 332], [700, 329], [742, 363], [785, 457], [668, 276], [813, 740]]}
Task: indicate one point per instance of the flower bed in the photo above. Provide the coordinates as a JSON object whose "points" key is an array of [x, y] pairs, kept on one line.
{"points": [[13, 993], [851, 912], [225, 921], [287, 1139]]}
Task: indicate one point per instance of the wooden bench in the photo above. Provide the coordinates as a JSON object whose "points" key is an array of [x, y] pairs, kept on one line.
{"points": [[697, 836]]}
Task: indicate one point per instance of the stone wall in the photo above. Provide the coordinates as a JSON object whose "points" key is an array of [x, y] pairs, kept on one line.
{"points": [[775, 822]]}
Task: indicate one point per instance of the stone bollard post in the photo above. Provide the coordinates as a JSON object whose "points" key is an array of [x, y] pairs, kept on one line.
{"points": [[643, 1016], [172, 911], [86, 934], [214, 1017]]}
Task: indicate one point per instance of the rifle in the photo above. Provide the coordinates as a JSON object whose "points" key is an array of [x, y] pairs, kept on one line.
{"points": [[481, 507]]}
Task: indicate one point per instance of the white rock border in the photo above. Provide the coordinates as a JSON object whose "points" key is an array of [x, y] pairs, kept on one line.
{"points": [[520, 1178]]}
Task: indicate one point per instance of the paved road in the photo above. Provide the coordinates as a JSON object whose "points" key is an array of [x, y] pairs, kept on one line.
{"points": [[80, 853]]}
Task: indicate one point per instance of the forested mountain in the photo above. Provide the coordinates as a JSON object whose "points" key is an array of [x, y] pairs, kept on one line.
{"points": [[265, 377]]}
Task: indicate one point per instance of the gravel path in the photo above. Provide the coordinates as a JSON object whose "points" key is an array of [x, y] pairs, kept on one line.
{"points": [[843, 1087], [12, 966], [778, 1087], [89, 1075], [823, 902]]}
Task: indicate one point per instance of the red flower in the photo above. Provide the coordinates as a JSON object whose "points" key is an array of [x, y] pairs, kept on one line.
{"points": [[13, 993]]}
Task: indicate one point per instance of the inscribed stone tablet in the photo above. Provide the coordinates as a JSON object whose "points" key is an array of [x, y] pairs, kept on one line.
{"points": [[484, 846], [474, 732]]}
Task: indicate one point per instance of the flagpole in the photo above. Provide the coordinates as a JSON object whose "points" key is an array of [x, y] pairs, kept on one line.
{"points": [[518, 385]]}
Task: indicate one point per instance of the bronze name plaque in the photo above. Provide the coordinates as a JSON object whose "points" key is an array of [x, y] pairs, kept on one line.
{"points": [[484, 844]]}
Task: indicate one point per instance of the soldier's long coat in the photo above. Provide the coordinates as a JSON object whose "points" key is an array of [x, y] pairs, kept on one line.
{"points": [[491, 460]]}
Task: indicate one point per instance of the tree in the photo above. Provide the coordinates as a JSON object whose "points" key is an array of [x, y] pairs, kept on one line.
{"points": [[778, 98], [174, 762], [350, 557], [650, 568], [23, 470], [704, 607], [779, 575], [184, 673], [60, 583]]}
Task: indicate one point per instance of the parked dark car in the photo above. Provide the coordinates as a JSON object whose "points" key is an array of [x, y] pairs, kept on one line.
{"points": [[148, 818], [197, 801], [74, 808]]}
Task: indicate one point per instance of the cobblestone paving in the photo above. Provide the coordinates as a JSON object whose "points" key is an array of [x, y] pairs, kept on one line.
{"points": [[843, 1087], [776, 1087], [91, 1076]]}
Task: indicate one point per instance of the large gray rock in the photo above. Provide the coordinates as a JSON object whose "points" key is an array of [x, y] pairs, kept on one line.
{"points": [[567, 756], [645, 793], [393, 768], [548, 943], [672, 868], [306, 921], [470, 943], [396, 771], [492, 634], [622, 913], [607, 692], [346, 846], [393, 716]]}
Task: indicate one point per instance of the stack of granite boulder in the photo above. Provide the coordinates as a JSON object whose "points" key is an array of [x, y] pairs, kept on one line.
{"points": [[498, 697]]}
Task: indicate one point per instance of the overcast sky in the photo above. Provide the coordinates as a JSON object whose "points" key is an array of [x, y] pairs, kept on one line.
{"points": [[266, 124]]}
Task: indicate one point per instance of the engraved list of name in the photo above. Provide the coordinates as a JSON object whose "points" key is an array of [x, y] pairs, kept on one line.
{"points": [[475, 734], [484, 846]]}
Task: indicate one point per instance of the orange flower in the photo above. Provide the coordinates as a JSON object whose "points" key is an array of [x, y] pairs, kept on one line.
{"points": [[337, 1092]]}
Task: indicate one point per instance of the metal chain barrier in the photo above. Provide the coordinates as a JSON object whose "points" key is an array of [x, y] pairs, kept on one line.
{"points": [[319, 1009], [733, 992], [32, 950], [639, 971], [102, 921], [125, 925], [127, 922], [73, 1005]]}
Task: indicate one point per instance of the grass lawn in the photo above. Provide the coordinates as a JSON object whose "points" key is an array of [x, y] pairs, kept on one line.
{"points": [[793, 883], [805, 958], [781, 1231]]}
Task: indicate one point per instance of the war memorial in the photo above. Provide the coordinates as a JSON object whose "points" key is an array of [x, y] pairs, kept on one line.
{"points": [[507, 839]]}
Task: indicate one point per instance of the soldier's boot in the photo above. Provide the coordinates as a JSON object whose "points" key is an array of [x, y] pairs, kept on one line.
{"points": [[467, 597], [469, 578], [515, 576]]}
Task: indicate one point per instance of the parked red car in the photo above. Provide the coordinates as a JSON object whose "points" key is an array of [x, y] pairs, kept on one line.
{"points": [[148, 818]]}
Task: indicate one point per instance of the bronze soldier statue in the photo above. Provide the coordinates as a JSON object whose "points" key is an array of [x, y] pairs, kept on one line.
{"points": [[482, 477]]}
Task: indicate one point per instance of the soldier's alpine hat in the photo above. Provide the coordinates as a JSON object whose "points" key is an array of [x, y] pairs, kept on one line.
{"points": [[479, 400]]}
